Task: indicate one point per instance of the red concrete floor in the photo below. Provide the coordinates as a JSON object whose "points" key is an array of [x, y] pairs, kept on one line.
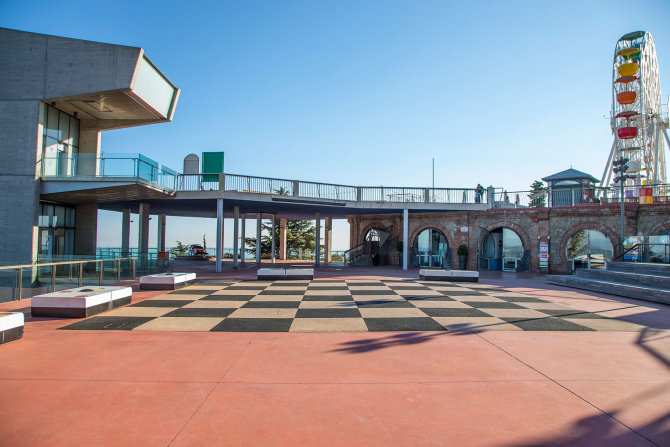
{"points": [[117, 388]]}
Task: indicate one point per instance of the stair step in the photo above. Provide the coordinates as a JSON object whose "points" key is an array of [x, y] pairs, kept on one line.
{"points": [[638, 279], [645, 268], [655, 294]]}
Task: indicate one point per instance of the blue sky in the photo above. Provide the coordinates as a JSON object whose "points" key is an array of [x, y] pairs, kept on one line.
{"points": [[367, 93]]}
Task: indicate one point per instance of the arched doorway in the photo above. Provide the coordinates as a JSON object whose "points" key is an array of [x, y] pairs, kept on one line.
{"points": [[430, 248], [502, 249], [589, 249]]}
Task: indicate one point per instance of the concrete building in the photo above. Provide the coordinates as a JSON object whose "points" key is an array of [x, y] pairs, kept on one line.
{"points": [[56, 96]]}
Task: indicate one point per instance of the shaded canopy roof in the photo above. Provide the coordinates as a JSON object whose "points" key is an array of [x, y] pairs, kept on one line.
{"points": [[570, 174]]}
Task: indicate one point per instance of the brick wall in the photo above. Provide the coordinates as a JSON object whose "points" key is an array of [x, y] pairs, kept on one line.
{"points": [[556, 225]]}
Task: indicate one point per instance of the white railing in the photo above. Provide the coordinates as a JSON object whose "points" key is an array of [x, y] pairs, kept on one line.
{"points": [[328, 191]]}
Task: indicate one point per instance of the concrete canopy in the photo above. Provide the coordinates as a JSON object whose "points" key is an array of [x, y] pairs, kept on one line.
{"points": [[107, 86]]}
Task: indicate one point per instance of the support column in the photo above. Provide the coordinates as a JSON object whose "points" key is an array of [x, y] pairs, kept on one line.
{"points": [[236, 234], [405, 239], [282, 239], [160, 243], [219, 233], [317, 252], [243, 244], [125, 233], [327, 238], [274, 237], [259, 219], [86, 229], [143, 233]]}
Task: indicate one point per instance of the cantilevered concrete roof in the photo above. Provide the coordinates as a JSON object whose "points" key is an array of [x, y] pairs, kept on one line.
{"points": [[108, 86]]}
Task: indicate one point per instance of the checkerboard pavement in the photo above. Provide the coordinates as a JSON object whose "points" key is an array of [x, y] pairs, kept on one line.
{"points": [[347, 306]]}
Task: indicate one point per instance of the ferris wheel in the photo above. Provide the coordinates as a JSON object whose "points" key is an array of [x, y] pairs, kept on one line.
{"points": [[637, 115]]}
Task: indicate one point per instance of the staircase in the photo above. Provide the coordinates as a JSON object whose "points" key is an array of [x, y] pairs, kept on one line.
{"points": [[643, 281], [362, 254]]}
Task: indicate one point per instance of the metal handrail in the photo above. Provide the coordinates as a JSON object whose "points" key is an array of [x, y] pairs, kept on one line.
{"points": [[53, 266]]}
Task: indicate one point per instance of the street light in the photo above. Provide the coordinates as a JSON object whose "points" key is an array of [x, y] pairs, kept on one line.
{"points": [[620, 168]]}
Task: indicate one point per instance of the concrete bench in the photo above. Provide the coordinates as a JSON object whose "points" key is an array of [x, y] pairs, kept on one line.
{"points": [[11, 326], [449, 275], [80, 302], [285, 274], [167, 281]]}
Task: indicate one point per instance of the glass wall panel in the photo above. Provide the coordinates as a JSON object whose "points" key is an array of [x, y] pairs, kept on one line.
{"points": [[59, 212], [64, 128], [590, 247], [74, 135], [69, 217], [512, 246], [152, 87], [52, 123]]}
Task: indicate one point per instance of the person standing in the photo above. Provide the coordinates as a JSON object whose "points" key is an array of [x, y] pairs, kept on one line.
{"points": [[479, 193]]}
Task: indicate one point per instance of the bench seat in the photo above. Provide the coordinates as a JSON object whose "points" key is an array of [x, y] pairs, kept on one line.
{"points": [[285, 274], [80, 302], [11, 326], [449, 275], [167, 281]]}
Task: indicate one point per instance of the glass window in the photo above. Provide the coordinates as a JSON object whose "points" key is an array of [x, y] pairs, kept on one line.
{"points": [[372, 236], [68, 249], [430, 248], [152, 87], [590, 246], [69, 217], [52, 123], [64, 128], [512, 246], [59, 212], [74, 134]]}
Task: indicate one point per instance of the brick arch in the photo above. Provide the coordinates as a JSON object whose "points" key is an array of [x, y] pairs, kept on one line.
{"points": [[435, 225], [660, 228], [368, 227], [607, 231], [525, 240]]}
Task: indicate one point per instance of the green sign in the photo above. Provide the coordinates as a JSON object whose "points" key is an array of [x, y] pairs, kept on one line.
{"points": [[212, 163]]}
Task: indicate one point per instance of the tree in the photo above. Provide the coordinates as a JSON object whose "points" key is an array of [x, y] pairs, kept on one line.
{"points": [[538, 195], [300, 235], [180, 249]]}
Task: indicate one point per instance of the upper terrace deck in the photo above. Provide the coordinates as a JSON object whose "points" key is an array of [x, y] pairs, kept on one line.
{"points": [[119, 181]]}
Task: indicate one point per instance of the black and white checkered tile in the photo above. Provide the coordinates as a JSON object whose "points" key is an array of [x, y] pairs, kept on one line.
{"points": [[341, 306]]}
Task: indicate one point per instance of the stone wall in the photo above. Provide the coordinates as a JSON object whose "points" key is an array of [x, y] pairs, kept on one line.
{"points": [[556, 225]]}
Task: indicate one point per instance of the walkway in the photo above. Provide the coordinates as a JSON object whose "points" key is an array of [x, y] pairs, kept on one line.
{"points": [[478, 388]]}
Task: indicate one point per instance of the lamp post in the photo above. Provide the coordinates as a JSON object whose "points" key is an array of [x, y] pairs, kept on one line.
{"points": [[620, 168]]}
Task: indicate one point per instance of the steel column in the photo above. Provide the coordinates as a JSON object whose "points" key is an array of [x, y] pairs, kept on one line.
{"points": [[236, 234], [219, 234]]}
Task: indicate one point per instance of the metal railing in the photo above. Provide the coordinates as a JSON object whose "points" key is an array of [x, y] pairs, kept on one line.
{"points": [[25, 281], [328, 191], [580, 197], [53, 276], [109, 165]]}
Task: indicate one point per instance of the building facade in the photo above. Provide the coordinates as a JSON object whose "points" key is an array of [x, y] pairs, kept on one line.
{"points": [[56, 97]]}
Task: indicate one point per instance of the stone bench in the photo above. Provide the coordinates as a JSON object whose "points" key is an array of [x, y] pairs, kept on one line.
{"points": [[80, 302], [167, 281], [449, 275], [11, 326], [285, 274]]}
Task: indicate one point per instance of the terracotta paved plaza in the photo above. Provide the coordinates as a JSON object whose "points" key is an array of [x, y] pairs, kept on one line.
{"points": [[398, 388]]}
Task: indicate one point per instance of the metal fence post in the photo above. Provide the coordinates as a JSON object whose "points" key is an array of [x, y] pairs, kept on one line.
{"points": [[426, 195], [18, 288], [134, 271], [222, 182], [359, 194], [296, 188], [53, 278], [81, 273], [102, 270], [118, 270]]}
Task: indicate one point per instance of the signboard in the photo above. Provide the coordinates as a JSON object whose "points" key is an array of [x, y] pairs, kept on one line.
{"points": [[212, 163], [646, 195], [544, 254]]}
